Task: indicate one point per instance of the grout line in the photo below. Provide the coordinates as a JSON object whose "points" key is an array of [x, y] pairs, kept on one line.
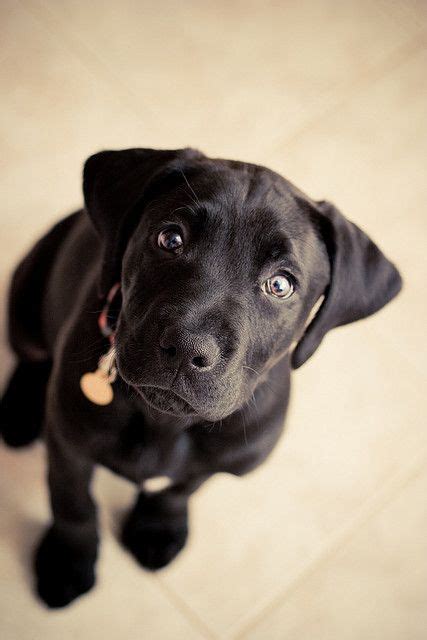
{"points": [[396, 58], [372, 507], [191, 616]]}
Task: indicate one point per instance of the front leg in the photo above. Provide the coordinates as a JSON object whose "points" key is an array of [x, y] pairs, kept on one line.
{"points": [[156, 529], [66, 556]]}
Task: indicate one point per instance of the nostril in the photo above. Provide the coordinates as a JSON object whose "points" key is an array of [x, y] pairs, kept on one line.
{"points": [[170, 351], [201, 362]]}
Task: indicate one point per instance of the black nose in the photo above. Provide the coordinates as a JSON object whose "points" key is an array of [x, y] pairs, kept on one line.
{"points": [[196, 351]]}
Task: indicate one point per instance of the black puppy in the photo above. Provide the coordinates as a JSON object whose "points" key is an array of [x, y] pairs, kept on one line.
{"points": [[220, 264]]}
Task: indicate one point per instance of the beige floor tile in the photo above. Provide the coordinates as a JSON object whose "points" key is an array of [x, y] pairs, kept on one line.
{"points": [[352, 424], [233, 77], [369, 158], [373, 587], [11, 16], [126, 603]]}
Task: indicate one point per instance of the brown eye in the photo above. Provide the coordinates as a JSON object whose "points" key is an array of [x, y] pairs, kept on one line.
{"points": [[279, 286], [170, 240]]}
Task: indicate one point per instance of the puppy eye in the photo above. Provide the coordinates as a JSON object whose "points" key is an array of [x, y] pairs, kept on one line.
{"points": [[170, 240], [279, 286]]}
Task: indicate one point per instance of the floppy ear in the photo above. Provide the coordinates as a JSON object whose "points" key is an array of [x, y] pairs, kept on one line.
{"points": [[116, 187], [362, 280]]}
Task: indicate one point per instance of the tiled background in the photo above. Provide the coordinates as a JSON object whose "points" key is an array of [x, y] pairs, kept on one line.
{"points": [[328, 540]]}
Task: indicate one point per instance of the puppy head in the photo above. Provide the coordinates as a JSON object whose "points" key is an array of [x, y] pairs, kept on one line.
{"points": [[221, 263]]}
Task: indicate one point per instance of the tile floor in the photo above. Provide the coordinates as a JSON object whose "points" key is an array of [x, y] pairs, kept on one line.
{"points": [[327, 540]]}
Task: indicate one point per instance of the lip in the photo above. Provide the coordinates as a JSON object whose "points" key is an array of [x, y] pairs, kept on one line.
{"points": [[165, 400]]}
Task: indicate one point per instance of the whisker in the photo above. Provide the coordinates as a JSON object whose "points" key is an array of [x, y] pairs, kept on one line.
{"points": [[197, 201], [250, 369], [89, 352], [212, 426], [265, 381], [244, 427]]}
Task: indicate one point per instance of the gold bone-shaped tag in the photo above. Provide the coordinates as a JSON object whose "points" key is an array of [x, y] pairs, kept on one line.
{"points": [[96, 385]]}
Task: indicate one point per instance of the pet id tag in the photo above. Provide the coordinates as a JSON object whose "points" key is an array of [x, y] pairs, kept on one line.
{"points": [[96, 386]]}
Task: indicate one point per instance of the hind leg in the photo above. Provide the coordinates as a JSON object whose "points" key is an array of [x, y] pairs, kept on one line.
{"points": [[22, 405]]}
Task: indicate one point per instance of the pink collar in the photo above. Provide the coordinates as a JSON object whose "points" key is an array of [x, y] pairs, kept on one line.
{"points": [[108, 317]]}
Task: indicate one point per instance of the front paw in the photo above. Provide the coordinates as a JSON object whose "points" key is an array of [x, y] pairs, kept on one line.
{"points": [[63, 573], [154, 545]]}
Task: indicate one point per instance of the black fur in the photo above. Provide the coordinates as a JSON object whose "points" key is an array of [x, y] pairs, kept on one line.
{"points": [[203, 354]]}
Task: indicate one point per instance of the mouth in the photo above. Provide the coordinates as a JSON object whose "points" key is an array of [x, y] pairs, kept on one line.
{"points": [[165, 400]]}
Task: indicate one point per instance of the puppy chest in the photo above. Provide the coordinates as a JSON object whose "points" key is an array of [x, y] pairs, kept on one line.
{"points": [[154, 462]]}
